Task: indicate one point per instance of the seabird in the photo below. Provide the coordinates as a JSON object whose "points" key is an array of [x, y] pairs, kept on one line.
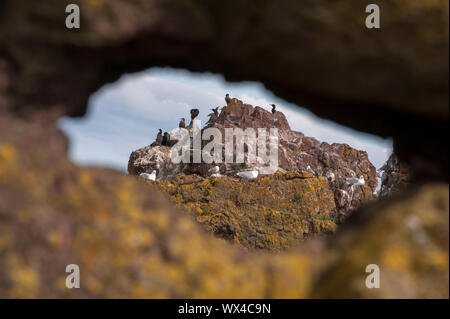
{"points": [[159, 137], [249, 174], [166, 138], [151, 176], [273, 108], [214, 170], [309, 169], [213, 116], [227, 98], [354, 182], [194, 113], [182, 123]]}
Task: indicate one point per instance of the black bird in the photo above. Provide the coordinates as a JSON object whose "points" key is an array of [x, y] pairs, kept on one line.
{"points": [[194, 113], [216, 111], [227, 98], [166, 138], [182, 123], [213, 116], [159, 137], [273, 108]]}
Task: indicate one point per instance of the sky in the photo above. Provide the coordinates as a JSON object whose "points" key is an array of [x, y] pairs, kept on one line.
{"points": [[125, 115]]}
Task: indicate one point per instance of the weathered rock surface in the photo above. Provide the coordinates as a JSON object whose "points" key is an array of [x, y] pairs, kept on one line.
{"points": [[396, 177], [274, 212], [295, 153], [411, 250]]}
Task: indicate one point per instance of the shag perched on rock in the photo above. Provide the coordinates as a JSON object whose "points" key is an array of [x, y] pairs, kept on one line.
{"points": [[182, 123], [159, 137], [194, 113], [213, 116], [227, 98], [165, 139], [273, 108]]}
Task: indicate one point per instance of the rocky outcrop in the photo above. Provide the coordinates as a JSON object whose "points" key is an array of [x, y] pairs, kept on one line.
{"points": [[396, 177], [296, 152]]}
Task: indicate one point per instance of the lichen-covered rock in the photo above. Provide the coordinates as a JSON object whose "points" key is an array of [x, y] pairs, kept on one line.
{"points": [[407, 238], [274, 212]]}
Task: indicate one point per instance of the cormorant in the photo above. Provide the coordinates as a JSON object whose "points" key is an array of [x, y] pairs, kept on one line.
{"points": [[166, 138], [227, 98], [182, 123], [159, 137], [213, 116], [194, 113], [273, 108], [216, 111]]}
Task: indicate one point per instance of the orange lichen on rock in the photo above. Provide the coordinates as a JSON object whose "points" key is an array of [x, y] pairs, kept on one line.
{"points": [[274, 212]]}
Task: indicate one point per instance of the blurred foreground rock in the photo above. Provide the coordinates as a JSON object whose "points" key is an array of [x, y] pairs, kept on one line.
{"points": [[408, 238], [274, 212]]}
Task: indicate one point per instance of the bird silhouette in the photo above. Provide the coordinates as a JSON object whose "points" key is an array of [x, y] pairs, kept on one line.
{"points": [[159, 137], [182, 123], [194, 113], [273, 108], [227, 98], [165, 139], [216, 111], [213, 116]]}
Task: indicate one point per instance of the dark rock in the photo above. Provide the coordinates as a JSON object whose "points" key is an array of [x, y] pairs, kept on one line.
{"points": [[396, 177]]}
